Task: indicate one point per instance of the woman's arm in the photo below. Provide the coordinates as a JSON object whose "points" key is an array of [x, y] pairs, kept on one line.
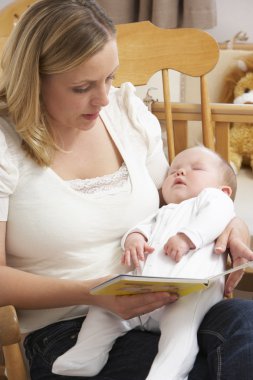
{"points": [[29, 291], [236, 238]]}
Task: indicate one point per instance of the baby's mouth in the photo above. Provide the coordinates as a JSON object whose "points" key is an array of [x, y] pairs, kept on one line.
{"points": [[179, 181]]}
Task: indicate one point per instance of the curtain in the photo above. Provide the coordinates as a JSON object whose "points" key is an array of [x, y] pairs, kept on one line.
{"points": [[163, 13]]}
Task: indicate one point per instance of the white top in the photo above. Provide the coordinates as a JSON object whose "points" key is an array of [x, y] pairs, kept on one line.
{"points": [[56, 231], [202, 219]]}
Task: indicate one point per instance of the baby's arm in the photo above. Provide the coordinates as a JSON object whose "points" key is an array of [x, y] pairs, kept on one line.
{"points": [[213, 211], [177, 246], [135, 248]]}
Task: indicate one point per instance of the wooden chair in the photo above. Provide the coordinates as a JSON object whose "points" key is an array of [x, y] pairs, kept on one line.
{"points": [[145, 49], [10, 15], [12, 365]]}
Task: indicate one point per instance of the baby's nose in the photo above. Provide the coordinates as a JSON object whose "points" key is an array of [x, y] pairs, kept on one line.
{"points": [[181, 171]]}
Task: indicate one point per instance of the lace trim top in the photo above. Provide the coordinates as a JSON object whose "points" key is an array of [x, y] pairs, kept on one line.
{"points": [[109, 183]]}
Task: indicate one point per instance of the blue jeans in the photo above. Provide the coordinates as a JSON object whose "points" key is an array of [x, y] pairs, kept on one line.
{"points": [[130, 358], [225, 340]]}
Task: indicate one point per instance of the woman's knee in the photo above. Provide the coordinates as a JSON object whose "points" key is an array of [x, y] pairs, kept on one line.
{"points": [[226, 321], [226, 342], [229, 315]]}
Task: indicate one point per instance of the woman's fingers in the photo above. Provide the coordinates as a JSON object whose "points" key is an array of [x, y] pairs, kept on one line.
{"points": [[152, 304], [128, 307], [235, 277], [232, 281], [144, 303]]}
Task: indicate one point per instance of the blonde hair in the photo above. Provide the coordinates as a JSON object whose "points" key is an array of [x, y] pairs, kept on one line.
{"points": [[51, 37]]}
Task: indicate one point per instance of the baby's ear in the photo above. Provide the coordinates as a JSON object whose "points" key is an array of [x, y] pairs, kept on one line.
{"points": [[227, 190]]}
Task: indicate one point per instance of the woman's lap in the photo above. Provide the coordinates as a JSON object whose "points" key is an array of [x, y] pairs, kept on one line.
{"points": [[225, 339], [130, 358]]}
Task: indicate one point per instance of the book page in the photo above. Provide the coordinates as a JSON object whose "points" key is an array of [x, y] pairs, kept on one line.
{"points": [[249, 264]]}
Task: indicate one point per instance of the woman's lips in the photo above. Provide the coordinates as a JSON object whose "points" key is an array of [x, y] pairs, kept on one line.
{"points": [[90, 116]]}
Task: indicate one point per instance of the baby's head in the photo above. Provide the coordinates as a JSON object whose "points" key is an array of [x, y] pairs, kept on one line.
{"points": [[195, 169]]}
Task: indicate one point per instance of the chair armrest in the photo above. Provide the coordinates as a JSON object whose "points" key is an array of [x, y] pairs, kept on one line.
{"points": [[12, 361], [9, 327]]}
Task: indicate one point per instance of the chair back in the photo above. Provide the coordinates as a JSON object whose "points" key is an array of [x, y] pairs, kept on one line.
{"points": [[10, 14], [145, 49]]}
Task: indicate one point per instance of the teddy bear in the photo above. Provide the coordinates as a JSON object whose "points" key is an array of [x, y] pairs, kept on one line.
{"points": [[238, 89]]}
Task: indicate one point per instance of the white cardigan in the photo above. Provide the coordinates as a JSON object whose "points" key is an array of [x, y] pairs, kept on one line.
{"points": [[53, 230]]}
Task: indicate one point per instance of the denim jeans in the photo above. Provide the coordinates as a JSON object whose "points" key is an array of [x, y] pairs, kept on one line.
{"points": [[225, 340], [130, 358]]}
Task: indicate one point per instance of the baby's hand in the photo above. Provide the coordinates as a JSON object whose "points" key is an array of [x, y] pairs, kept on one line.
{"points": [[177, 246], [135, 249]]}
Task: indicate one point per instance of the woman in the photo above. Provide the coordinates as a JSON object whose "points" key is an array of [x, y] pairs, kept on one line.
{"points": [[75, 156]]}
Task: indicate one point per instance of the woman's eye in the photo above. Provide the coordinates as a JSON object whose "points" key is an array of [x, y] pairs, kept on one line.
{"points": [[111, 78], [78, 90]]}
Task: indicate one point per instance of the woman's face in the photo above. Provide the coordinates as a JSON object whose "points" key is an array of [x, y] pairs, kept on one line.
{"points": [[73, 99]]}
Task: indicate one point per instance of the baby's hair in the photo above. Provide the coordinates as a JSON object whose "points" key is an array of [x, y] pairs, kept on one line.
{"points": [[229, 176]]}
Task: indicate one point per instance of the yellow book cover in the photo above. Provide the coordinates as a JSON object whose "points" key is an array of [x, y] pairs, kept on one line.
{"points": [[126, 284]]}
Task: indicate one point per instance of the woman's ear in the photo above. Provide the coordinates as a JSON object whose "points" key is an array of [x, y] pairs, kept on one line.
{"points": [[227, 190]]}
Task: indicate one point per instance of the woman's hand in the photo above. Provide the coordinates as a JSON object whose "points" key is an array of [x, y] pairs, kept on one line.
{"points": [[236, 238], [131, 306]]}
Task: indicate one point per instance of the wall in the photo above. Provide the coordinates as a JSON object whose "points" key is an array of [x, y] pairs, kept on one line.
{"points": [[3, 3], [232, 17]]}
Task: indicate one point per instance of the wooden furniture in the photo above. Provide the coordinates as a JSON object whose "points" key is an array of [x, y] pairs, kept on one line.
{"points": [[10, 15], [145, 49], [221, 116], [228, 59], [11, 360]]}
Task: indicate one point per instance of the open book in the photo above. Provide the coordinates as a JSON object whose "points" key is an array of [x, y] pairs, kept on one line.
{"points": [[126, 284]]}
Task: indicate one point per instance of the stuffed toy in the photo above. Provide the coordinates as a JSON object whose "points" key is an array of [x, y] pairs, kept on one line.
{"points": [[238, 89]]}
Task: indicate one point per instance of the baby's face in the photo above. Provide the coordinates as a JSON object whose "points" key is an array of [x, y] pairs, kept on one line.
{"points": [[190, 172]]}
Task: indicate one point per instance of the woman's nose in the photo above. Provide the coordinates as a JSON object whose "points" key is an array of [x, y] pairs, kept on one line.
{"points": [[101, 97]]}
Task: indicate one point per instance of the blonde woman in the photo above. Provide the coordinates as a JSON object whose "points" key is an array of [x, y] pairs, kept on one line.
{"points": [[75, 151]]}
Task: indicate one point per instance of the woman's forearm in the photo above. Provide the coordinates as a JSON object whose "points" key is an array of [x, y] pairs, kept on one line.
{"points": [[30, 291]]}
